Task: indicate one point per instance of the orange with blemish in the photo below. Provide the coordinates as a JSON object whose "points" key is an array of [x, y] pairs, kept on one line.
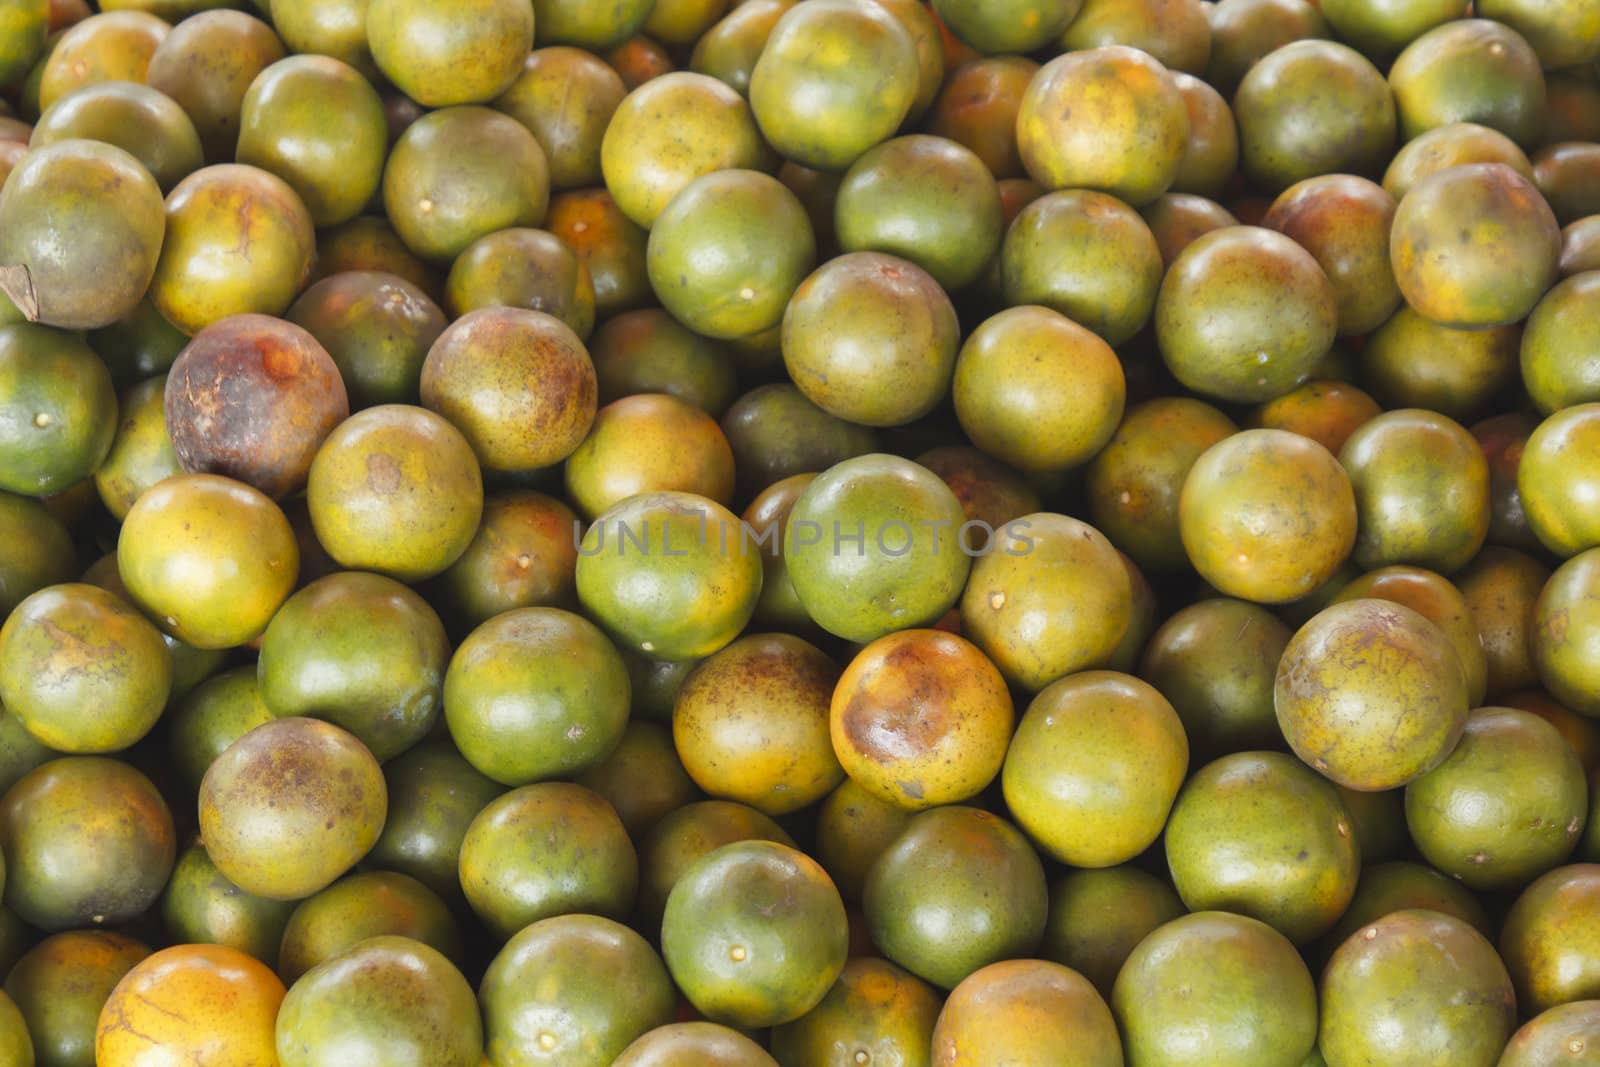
{"points": [[194, 1003], [921, 718]]}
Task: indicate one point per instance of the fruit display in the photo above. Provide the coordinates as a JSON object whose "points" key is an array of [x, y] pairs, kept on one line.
{"points": [[799, 533]]}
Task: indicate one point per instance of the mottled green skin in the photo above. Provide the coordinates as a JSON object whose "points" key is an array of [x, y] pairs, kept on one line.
{"points": [[1503, 439], [1555, 342], [85, 219], [88, 841], [875, 1009], [20, 751], [833, 80], [218, 712], [1416, 987], [655, 684], [1088, 256], [977, 107], [398, 490], [1422, 491], [1386, 888], [755, 934], [1212, 157], [729, 50], [1567, 175], [653, 570], [1499, 590], [462, 173], [39, 551], [377, 327], [1244, 31], [989, 491], [434, 794], [572, 990], [1450, 146], [853, 829], [1129, 141], [522, 556], [516, 380], [1049, 598], [1436, 600], [1216, 661], [336, 28], [60, 987], [547, 849], [57, 408], [926, 199], [361, 651], [1580, 247], [290, 807], [751, 723], [536, 693], [200, 906], [610, 245], [369, 243], [441, 55], [1214, 988], [1548, 939], [1098, 917], [1244, 315], [23, 26], [1557, 471], [1568, 1035], [147, 124], [776, 433], [1258, 834], [1371, 694], [318, 124], [373, 904], [959, 889], [1313, 108], [1475, 246], [72, 647], [386, 1001], [1025, 1011], [863, 593], [15, 1044], [1016, 26], [523, 268], [1470, 70], [643, 778], [1133, 483], [239, 240], [696, 1044], [648, 442], [566, 97], [1381, 29], [1410, 362], [588, 25], [686, 835], [648, 351], [138, 347], [1344, 221], [871, 338], [1508, 804], [727, 253], [206, 64], [1093, 768], [141, 454], [1176, 32], [1379, 820], [1566, 643], [670, 131]]}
